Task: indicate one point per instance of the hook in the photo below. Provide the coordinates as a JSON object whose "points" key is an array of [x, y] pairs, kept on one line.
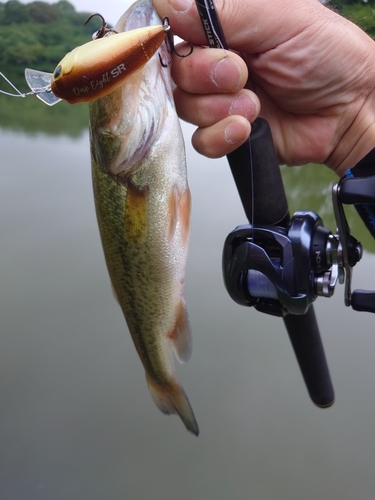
{"points": [[170, 44], [103, 31]]}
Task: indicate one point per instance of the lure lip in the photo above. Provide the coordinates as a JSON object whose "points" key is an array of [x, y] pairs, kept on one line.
{"points": [[40, 84]]}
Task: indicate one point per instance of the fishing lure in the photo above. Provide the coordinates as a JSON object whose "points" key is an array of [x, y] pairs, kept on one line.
{"points": [[96, 68]]}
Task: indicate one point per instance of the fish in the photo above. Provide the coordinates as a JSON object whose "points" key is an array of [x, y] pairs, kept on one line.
{"points": [[143, 204]]}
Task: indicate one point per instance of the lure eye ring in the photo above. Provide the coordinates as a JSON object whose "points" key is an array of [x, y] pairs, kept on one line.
{"points": [[57, 73]]}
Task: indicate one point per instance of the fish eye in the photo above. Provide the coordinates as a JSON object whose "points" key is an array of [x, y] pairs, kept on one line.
{"points": [[57, 72]]}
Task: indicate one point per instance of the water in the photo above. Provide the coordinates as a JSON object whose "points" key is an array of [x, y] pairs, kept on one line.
{"points": [[76, 418]]}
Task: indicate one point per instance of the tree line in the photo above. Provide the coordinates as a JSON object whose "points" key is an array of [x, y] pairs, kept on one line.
{"points": [[360, 12], [38, 34]]}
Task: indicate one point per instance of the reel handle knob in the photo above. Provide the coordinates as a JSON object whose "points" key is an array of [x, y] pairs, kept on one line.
{"points": [[363, 300], [358, 190]]}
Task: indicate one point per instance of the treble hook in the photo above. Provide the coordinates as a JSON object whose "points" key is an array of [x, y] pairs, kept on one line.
{"points": [[170, 43], [103, 31]]}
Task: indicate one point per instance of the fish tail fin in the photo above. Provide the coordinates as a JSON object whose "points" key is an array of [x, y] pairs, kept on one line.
{"points": [[173, 400]]}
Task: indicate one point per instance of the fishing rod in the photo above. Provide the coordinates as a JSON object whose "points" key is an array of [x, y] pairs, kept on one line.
{"points": [[281, 264]]}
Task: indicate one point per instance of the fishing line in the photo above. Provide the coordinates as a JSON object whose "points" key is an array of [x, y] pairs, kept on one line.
{"points": [[215, 39], [19, 94]]}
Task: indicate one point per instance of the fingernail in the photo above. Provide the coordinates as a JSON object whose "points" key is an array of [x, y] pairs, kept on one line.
{"points": [[243, 106], [234, 133], [180, 5], [226, 74]]}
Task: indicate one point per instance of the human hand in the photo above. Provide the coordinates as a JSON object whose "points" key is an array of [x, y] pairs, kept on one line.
{"points": [[311, 71]]}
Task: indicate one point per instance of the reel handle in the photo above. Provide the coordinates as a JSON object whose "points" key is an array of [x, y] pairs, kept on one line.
{"points": [[358, 190], [363, 300]]}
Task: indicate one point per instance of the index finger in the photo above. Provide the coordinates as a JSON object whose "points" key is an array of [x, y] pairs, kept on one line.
{"points": [[252, 26]]}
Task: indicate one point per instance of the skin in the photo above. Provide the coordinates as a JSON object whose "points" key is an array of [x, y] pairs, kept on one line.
{"points": [[309, 72]]}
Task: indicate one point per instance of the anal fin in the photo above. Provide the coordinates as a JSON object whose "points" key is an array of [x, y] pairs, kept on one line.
{"points": [[181, 336]]}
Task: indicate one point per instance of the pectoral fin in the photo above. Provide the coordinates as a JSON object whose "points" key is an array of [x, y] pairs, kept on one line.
{"points": [[184, 209], [179, 213]]}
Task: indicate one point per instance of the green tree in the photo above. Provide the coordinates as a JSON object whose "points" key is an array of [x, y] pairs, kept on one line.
{"points": [[40, 12], [340, 4], [14, 12], [21, 48], [38, 35], [64, 8]]}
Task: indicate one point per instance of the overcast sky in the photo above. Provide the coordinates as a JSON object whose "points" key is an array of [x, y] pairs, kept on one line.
{"points": [[111, 10]]}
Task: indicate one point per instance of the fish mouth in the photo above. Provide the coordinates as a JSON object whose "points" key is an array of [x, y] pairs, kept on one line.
{"points": [[121, 149], [131, 120], [145, 99]]}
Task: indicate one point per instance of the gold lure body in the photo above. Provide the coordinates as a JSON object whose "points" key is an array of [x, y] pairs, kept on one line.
{"points": [[97, 68], [142, 203]]}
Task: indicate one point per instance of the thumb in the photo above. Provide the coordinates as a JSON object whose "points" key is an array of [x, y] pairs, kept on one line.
{"points": [[251, 26]]}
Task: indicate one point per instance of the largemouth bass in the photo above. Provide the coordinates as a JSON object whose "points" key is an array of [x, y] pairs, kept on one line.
{"points": [[143, 209]]}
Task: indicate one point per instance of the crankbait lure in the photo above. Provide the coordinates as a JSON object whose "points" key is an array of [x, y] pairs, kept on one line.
{"points": [[96, 68]]}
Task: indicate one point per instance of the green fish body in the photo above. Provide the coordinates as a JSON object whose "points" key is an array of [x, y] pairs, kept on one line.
{"points": [[142, 203]]}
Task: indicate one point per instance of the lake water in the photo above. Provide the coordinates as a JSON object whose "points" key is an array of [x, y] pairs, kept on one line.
{"points": [[76, 419]]}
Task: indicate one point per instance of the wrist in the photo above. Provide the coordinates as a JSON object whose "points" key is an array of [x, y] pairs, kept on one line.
{"points": [[358, 139]]}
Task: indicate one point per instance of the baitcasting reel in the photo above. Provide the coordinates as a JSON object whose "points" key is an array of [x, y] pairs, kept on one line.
{"points": [[283, 270]]}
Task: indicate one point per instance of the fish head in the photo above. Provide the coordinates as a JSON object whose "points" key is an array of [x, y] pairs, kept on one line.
{"points": [[126, 123]]}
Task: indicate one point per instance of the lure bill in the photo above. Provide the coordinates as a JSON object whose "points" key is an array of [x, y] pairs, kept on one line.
{"points": [[142, 204], [96, 68], [40, 85]]}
